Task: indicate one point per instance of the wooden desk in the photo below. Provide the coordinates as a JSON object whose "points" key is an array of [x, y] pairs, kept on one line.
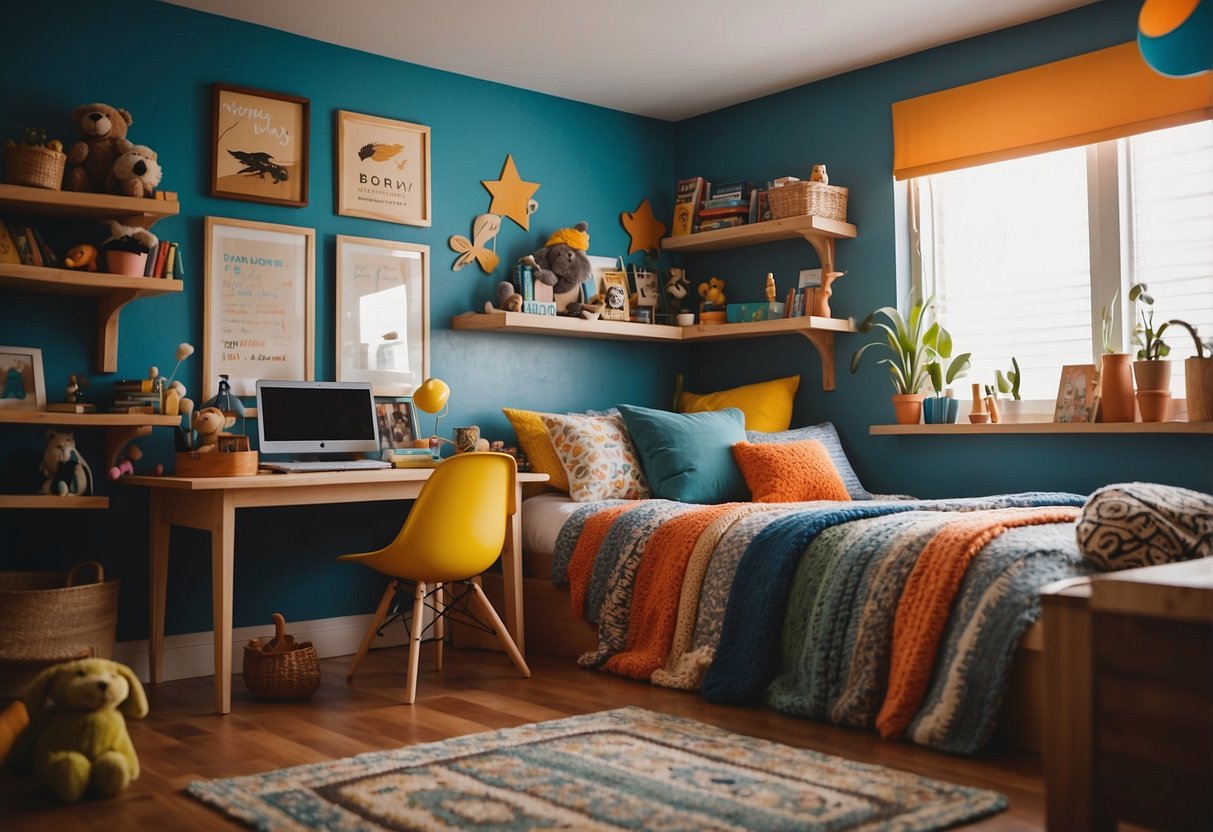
{"points": [[210, 503]]}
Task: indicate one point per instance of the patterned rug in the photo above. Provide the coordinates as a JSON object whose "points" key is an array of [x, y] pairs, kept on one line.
{"points": [[620, 769]]}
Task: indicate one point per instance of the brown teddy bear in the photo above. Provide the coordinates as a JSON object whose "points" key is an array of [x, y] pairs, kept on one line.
{"points": [[208, 423], [135, 173], [90, 160]]}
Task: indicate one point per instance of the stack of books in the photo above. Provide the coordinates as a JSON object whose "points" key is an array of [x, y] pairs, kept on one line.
{"points": [[25, 244], [138, 396], [701, 206], [412, 458], [164, 261]]}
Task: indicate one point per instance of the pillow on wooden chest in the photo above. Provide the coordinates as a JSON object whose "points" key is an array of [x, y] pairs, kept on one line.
{"points": [[1132, 524]]}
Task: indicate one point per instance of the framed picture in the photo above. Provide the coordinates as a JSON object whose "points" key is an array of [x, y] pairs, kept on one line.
{"points": [[24, 386], [615, 296], [398, 425], [260, 146], [258, 318], [383, 169], [383, 314], [1076, 394]]}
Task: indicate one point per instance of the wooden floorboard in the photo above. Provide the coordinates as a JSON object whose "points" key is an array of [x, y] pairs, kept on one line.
{"points": [[182, 740]]}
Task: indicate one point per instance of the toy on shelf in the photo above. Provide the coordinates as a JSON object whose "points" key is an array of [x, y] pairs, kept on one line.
{"points": [[712, 309], [66, 472], [135, 173], [90, 160], [770, 288], [208, 423], [74, 391], [819, 175], [82, 257]]}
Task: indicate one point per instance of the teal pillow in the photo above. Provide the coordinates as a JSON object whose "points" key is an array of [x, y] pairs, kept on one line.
{"points": [[688, 457]]}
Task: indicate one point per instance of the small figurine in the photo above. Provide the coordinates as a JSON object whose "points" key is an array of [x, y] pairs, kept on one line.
{"points": [[126, 463], [74, 392], [208, 423], [676, 286], [65, 470], [83, 257], [770, 289], [712, 292], [819, 175], [224, 400]]}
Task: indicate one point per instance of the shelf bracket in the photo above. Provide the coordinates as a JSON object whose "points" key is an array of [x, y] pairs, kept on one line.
{"points": [[109, 306], [824, 341], [117, 438]]}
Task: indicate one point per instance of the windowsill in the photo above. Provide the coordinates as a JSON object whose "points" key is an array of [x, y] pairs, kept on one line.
{"points": [[967, 429]]}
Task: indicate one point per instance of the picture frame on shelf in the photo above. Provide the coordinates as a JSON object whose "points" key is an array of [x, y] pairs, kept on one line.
{"points": [[24, 385], [259, 302], [1076, 395], [259, 150], [383, 313], [382, 169], [399, 427]]}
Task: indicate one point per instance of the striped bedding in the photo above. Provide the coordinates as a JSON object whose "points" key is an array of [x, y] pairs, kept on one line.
{"points": [[897, 615]]}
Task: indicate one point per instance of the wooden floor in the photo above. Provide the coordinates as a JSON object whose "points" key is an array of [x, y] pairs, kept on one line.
{"points": [[182, 740]]}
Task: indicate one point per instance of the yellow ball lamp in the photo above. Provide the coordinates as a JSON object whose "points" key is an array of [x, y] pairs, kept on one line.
{"points": [[432, 397]]}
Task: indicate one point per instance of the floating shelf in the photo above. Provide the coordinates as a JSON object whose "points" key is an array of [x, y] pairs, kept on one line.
{"points": [[51, 501], [75, 204], [120, 428], [791, 228], [820, 331], [960, 429]]}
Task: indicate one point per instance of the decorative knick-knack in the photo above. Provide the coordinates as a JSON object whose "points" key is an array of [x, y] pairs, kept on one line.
{"points": [[1116, 403], [978, 414], [819, 175]]}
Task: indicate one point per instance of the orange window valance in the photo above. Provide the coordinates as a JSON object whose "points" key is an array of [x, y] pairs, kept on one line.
{"points": [[1090, 98]]}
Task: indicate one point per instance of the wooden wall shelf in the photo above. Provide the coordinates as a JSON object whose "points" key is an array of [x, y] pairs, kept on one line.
{"points": [[18, 199], [790, 228], [120, 428], [51, 501], [1004, 428]]}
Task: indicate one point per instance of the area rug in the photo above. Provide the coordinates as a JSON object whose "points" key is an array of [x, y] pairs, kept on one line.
{"points": [[621, 769]]}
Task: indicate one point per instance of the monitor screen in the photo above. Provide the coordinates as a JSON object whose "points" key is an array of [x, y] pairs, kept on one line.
{"points": [[315, 417]]}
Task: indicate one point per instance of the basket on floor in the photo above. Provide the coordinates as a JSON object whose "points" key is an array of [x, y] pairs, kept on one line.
{"points": [[49, 617], [278, 668], [36, 167], [799, 199]]}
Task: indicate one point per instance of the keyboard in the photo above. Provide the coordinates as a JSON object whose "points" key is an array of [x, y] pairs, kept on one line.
{"points": [[335, 465]]}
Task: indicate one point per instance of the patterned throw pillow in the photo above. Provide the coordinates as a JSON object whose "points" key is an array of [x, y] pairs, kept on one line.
{"points": [[793, 472], [1142, 524], [827, 435], [597, 456]]}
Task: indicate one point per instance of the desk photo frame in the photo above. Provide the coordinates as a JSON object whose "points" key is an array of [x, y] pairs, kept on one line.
{"points": [[1076, 394], [398, 423], [260, 297]]}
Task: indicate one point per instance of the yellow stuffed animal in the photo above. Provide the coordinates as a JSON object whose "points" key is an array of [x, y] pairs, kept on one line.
{"points": [[712, 292], [79, 743]]}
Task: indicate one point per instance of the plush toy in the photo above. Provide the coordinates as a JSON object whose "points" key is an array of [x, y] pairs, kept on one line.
{"points": [[208, 423], [507, 299], [562, 263], [91, 159], [13, 720], [135, 173], [712, 292], [79, 744], [65, 470], [83, 257]]}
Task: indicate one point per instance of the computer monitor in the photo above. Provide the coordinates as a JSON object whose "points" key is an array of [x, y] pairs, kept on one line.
{"points": [[316, 417]]}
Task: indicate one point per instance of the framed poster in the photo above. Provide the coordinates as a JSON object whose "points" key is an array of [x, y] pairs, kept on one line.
{"points": [[398, 425], [1076, 394], [259, 303], [383, 314], [383, 169], [23, 386], [260, 143]]}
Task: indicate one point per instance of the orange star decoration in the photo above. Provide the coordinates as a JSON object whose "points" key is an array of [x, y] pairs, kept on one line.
{"points": [[646, 229], [511, 195]]}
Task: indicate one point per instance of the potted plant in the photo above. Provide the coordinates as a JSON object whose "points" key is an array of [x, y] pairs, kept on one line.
{"points": [[126, 248], [1008, 384], [1198, 377], [942, 408], [913, 341], [1152, 373], [1116, 402]]}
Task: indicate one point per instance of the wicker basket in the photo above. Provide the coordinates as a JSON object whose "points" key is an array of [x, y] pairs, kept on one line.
{"points": [[46, 617], [37, 167], [799, 199], [278, 668]]}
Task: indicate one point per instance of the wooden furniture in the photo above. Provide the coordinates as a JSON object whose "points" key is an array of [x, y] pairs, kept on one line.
{"points": [[210, 504], [112, 292], [1129, 696], [961, 429]]}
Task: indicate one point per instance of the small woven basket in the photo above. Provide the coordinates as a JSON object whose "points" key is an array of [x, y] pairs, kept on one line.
{"points": [[800, 199], [37, 167], [277, 668]]}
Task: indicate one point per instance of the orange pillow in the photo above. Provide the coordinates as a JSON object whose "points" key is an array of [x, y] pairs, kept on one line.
{"points": [[537, 445], [793, 472]]}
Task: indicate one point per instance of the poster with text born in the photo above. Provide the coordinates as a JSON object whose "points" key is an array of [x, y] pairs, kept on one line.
{"points": [[383, 169], [259, 146], [260, 301], [383, 313]]}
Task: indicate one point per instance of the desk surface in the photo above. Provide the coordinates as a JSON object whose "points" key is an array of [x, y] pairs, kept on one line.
{"points": [[315, 478]]}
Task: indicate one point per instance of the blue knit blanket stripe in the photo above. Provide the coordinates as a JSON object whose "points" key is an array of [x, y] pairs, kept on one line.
{"points": [[566, 540]]}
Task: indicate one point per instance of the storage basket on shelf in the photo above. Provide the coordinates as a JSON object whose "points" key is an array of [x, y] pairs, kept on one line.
{"points": [[799, 199], [278, 668], [36, 167], [49, 617]]}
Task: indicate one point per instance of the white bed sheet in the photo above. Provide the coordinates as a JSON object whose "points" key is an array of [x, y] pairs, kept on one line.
{"points": [[542, 517]]}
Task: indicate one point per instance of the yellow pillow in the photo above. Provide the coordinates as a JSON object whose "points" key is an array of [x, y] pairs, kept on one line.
{"points": [[537, 445], [767, 405], [793, 472]]}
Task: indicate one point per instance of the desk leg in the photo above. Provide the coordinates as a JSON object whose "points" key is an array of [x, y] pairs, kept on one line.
{"points": [[511, 573], [157, 585], [223, 545]]}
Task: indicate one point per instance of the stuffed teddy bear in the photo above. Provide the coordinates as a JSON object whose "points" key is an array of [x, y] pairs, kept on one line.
{"points": [[65, 470], [90, 160], [562, 263], [208, 423], [79, 743], [135, 173], [712, 292]]}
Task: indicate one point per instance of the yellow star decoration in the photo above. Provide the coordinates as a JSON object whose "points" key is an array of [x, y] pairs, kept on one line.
{"points": [[646, 229], [511, 194]]}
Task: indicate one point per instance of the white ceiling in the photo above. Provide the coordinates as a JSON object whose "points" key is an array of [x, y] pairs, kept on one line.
{"points": [[669, 59]]}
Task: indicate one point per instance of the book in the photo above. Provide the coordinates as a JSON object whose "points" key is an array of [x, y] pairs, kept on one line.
{"points": [[179, 266], [22, 246], [161, 254], [167, 271], [688, 194], [714, 224], [49, 258], [737, 189], [725, 202], [150, 263], [35, 253], [734, 211], [789, 303], [8, 248]]}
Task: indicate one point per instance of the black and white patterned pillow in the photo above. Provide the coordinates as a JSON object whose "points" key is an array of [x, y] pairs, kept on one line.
{"points": [[1133, 524]]}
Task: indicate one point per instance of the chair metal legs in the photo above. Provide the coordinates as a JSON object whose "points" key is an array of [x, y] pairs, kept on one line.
{"points": [[439, 626], [376, 623]]}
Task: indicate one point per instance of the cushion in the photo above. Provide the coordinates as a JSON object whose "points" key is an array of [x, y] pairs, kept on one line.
{"points": [[597, 457], [792, 472], [1142, 524], [688, 457], [828, 437], [767, 405], [537, 445]]}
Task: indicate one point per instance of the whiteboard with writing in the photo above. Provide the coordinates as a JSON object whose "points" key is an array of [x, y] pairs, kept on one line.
{"points": [[260, 297]]}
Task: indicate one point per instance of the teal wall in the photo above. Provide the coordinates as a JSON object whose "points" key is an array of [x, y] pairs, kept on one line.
{"points": [[593, 164]]}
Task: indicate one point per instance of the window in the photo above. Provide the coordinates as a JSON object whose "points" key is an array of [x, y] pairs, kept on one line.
{"points": [[1022, 255]]}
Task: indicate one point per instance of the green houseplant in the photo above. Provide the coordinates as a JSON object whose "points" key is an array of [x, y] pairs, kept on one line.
{"points": [[1152, 373], [1198, 376]]}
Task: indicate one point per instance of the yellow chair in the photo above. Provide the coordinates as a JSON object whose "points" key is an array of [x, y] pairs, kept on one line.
{"points": [[455, 530]]}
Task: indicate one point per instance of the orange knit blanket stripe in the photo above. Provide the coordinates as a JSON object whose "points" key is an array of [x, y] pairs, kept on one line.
{"points": [[922, 612], [581, 562], [654, 611]]}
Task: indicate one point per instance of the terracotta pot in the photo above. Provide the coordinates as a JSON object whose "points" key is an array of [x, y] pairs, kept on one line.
{"points": [[907, 408], [1152, 375], [126, 262], [1116, 389], [1155, 405], [1198, 385]]}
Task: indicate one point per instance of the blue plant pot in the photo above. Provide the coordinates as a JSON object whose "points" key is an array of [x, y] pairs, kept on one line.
{"points": [[938, 410]]}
